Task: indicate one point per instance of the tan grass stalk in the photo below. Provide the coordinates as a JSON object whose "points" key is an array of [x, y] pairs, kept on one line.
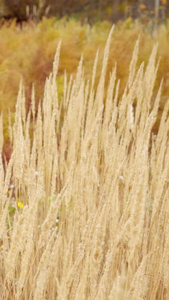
{"points": [[84, 198]]}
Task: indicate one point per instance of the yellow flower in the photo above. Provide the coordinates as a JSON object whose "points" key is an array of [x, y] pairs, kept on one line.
{"points": [[142, 6], [20, 204]]}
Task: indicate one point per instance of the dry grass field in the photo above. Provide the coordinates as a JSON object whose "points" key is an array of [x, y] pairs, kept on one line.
{"points": [[27, 52], [84, 199]]}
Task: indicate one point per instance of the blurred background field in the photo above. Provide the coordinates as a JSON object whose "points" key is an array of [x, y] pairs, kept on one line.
{"points": [[30, 32], [90, 10]]}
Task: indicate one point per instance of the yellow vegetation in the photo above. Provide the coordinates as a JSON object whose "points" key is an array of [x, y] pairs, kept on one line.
{"points": [[28, 53]]}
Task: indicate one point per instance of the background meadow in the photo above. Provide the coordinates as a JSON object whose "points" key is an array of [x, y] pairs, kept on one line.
{"points": [[27, 53]]}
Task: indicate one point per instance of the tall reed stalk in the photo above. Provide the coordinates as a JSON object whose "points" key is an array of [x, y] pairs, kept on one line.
{"points": [[84, 199]]}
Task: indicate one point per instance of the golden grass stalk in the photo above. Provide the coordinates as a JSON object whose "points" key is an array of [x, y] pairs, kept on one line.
{"points": [[84, 199]]}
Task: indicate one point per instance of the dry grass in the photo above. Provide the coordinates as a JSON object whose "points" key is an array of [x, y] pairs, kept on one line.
{"points": [[84, 203], [34, 62]]}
